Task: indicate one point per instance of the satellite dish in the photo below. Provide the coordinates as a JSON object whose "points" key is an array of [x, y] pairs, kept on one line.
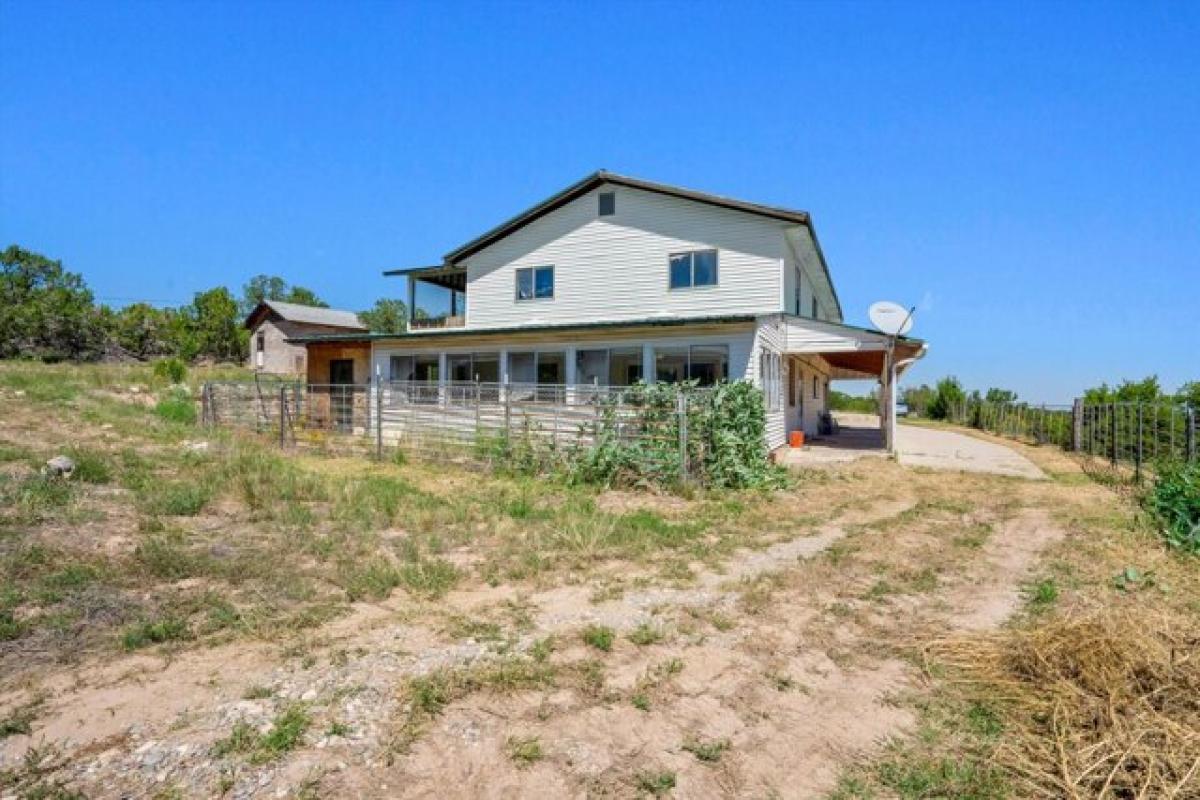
{"points": [[891, 318]]}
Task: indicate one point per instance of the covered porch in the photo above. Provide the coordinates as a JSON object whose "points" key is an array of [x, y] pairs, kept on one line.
{"points": [[842, 352], [437, 296]]}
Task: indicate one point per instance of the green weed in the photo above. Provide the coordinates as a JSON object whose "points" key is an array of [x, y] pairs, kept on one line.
{"points": [[646, 634], [524, 750], [707, 751], [654, 782], [148, 632], [598, 636]]}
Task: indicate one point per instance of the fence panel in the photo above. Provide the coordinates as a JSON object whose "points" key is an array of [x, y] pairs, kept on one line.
{"points": [[1123, 434], [535, 425]]}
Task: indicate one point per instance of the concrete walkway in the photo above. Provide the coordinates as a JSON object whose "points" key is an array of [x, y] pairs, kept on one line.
{"points": [[860, 437]]}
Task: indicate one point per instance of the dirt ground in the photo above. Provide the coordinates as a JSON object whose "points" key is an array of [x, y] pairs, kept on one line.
{"points": [[765, 670]]}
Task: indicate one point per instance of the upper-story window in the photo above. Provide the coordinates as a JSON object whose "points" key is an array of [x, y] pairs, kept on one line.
{"points": [[696, 268], [608, 203], [535, 283]]}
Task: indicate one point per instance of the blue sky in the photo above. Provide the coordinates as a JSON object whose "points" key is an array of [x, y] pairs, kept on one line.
{"points": [[1028, 173]]}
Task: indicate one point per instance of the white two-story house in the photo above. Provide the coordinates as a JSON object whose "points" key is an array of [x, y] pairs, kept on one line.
{"points": [[615, 280]]}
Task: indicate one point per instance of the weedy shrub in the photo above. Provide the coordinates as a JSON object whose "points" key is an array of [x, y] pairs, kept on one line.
{"points": [[286, 732], [707, 751], [172, 370], [524, 750], [655, 783], [177, 406], [175, 498], [374, 580], [10, 627], [35, 497], [646, 634], [637, 438], [429, 577], [598, 636], [1174, 499], [148, 632], [90, 466]]}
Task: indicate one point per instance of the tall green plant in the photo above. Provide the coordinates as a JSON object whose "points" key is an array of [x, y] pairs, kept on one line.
{"points": [[1174, 499]]}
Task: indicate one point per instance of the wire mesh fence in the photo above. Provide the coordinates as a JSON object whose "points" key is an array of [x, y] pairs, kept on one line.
{"points": [[534, 426], [1044, 424], [1124, 435]]}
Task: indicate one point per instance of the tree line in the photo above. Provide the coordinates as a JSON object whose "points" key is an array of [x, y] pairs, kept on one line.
{"points": [[939, 400], [49, 313]]}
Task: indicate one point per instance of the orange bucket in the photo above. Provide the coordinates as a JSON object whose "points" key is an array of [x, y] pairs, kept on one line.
{"points": [[797, 439]]}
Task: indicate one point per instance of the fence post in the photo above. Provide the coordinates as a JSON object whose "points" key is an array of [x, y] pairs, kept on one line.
{"points": [[681, 411], [1138, 453], [1191, 434], [282, 405], [507, 387], [1113, 430], [378, 418], [1077, 425]]}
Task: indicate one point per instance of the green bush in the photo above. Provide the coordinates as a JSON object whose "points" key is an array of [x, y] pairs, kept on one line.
{"points": [[726, 435], [177, 406], [170, 369], [1174, 499], [947, 396]]}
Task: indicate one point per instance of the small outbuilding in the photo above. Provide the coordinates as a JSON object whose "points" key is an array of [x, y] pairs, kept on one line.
{"points": [[272, 323]]}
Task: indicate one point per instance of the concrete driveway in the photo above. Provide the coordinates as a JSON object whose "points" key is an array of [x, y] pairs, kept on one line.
{"points": [[915, 446], [938, 449]]}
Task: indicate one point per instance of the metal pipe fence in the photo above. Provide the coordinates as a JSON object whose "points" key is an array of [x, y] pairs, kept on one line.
{"points": [[531, 425]]}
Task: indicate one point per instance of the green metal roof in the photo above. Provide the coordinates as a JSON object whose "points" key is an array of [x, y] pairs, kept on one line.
{"points": [[649, 322]]}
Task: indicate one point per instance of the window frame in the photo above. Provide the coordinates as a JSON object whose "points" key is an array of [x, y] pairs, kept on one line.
{"points": [[533, 287], [770, 372], [692, 269]]}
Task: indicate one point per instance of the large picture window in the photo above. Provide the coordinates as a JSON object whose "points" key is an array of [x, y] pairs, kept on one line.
{"points": [[695, 268], [535, 283], [482, 367], [704, 363]]}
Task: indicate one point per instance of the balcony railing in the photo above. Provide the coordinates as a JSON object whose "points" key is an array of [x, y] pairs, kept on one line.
{"points": [[436, 323]]}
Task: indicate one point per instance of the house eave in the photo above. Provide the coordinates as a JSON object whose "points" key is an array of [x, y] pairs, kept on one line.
{"points": [[426, 336]]}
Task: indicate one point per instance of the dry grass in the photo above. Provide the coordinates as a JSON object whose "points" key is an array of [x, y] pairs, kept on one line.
{"points": [[1102, 704]]}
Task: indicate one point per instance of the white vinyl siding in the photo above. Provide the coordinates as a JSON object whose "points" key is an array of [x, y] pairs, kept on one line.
{"points": [[617, 267], [803, 335], [770, 339], [802, 251]]}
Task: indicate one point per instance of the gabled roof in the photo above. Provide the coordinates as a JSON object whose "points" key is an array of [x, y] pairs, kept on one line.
{"points": [[308, 315], [602, 177]]}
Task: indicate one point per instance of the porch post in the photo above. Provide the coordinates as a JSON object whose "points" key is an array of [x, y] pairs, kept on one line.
{"points": [[885, 410], [412, 300], [648, 363], [571, 377]]}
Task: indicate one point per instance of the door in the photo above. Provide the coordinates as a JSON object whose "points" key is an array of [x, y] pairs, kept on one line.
{"points": [[341, 392]]}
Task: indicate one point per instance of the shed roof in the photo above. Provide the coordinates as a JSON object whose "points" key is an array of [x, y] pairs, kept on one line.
{"points": [[309, 315]]}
